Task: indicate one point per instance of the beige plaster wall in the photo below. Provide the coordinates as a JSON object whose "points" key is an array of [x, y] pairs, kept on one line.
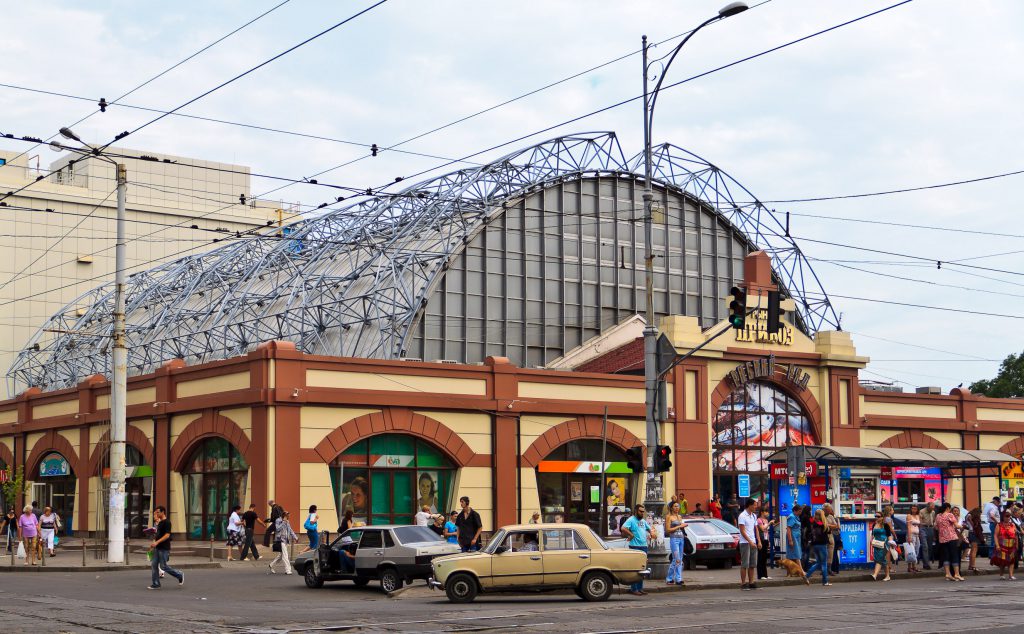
{"points": [[907, 409], [8, 441], [474, 428], [875, 437], [315, 488], [146, 426], [9, 416], [1012, 415], [994, 442], [581, 392], [395, 382], [134, 397], [317, 422], [214, 384], [176, 503], [476, 482], [242, 417], [180, 422], [62, 408], [530, 496], [74, 437], [947, 438]]}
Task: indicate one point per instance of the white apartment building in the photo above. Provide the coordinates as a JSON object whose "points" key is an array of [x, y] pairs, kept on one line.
{"points": [[57, 236]]}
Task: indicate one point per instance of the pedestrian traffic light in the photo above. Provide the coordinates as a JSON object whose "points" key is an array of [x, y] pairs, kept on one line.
{"points": [[662, 462], [775, 311], [738, 308], [635, 459]]}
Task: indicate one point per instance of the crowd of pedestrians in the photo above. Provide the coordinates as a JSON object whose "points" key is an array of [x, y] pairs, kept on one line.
{"points": [[31, 533]]}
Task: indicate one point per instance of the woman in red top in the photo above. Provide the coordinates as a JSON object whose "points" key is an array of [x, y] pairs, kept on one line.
{"points": [[715, 507], [1005, 554], [948, 528]]}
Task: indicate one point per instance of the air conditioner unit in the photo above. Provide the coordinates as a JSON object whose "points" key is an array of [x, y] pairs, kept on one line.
{"points": [[448, 361], [409, 359]]}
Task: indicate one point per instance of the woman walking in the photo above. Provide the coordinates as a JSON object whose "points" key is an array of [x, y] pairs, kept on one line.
{"points": [[236, 531], [312, 526], [347, 522], [890, 536], [675, 528], [764, 525], [835, 541], [949, 542], [284, 536], [805, 531], [10, 529], [1005, 552], [913, 537], [28, 533], [879, 548], [975, 537], [819, 543], [47, 529], [793, 543]]}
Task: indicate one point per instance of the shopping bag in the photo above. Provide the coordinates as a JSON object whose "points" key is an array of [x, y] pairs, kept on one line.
{"points": [[149, 555], [56, 540], [21, 550]]}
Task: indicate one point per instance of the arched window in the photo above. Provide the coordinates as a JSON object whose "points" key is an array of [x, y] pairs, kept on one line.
{"points": [[569, 485], [214, 478], [387, 478], [754, 421]]}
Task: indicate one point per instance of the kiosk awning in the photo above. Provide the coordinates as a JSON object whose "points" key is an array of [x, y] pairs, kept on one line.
{"points": [[883, 456]]}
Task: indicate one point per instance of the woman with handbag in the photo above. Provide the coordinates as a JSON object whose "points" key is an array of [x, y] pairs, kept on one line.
{"points": [[284, 536], [236, 531], [975, 536], [819, 543], [948, 529], [835, 544], [675, 528], [879, 550], [913, 538], [1004, 554], [311, 525]]}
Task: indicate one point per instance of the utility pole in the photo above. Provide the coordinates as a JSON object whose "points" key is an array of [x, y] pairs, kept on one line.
{"points": [[118, 387]]}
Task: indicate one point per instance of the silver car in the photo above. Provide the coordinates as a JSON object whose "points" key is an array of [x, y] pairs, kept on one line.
{"points": [[392, 554]]}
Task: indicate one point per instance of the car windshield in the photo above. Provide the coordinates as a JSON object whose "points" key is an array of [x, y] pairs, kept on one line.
{"points": [[413, 534], [725, 526], [495, 541], [706, 529]]}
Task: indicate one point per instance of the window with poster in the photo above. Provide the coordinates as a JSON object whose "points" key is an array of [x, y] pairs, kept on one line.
{"points": [[386, 479], [858, 492], [569, 486], [753, 422]]}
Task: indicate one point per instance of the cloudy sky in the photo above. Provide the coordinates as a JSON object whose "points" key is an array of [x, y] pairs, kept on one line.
{"points": [[925, 93]]}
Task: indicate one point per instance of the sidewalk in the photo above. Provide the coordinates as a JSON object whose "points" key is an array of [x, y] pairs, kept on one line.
{"points": [[69, 559]]}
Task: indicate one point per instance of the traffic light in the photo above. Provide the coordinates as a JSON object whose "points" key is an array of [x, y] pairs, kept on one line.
{"points": [[661, 458], [738, 308], [635, 459], [775, 311]]}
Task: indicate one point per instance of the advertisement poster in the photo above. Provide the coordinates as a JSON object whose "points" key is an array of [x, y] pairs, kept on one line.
{"points": [[854, 542], [576, 491], [595, 494], [615, 491], [616, 515], [355, 492], [787, 501], [426, 485]]}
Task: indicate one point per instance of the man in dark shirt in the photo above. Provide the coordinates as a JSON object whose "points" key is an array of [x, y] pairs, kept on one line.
{"points": [[469, 525], [249, 518], [162, 549], [734, 510], [271, 522]]}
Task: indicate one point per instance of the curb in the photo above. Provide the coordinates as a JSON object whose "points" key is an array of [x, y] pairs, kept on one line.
{"points": [[850, 576], [111, 568]]}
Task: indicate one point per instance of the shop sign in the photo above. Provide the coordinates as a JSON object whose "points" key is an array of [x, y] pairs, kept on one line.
{"points": [[743, 481], [1013, 471], [393, 461], [855, 541], [780, 471], [54, 465], [886, 472], [581, 466], [140, 471], [818, 489], [756, 330], [765, 368]]}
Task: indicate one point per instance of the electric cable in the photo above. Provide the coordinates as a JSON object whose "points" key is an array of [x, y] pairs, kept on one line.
{"points": [[957, 230]]}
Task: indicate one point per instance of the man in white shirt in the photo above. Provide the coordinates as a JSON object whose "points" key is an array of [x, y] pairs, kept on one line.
{"points": [[750, 542], [992, 516], [424, 518]]}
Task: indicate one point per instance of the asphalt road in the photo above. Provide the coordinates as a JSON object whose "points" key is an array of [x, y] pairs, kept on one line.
{"points": [[247, 600]]}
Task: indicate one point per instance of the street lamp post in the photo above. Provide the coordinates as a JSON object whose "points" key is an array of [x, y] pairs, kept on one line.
{"points": [[654, 496], [119, 364]]}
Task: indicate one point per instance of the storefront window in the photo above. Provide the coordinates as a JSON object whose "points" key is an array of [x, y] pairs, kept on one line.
{"points": [[386, 479], [570, 488], [214, 480], [55, 487], [754, 422]]}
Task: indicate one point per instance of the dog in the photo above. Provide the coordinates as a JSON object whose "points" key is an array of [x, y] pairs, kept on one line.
{"points": [[793, 568]]}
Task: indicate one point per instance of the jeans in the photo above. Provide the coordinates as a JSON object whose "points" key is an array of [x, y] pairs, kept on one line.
{"points": [[927, 540], [314, 539], [820, 562], [639, 585], [675, 568], [160, 558], [249, 544], [992, 535]]}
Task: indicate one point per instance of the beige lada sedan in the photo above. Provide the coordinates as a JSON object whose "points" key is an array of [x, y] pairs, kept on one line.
{"points": [[530, 557]]}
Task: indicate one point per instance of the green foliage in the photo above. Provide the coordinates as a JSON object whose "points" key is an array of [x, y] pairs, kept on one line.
{"points": [[1008, 383], [14, 485]]}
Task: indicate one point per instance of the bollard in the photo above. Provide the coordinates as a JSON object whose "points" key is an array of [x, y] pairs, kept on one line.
{"points": [[127, 550], [211, 547], [42, 552], [13, 550], [84, 549]]}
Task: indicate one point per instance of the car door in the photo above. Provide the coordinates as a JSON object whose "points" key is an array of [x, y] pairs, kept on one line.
{"points": [[513, 566], [369, 552], [565, 555]]}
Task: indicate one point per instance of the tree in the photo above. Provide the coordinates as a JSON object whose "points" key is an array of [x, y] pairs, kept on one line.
{"points": [[1009, 382], [14, 485]]}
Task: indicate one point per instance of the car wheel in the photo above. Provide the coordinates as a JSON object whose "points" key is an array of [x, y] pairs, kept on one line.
{"points": [[460, 588], [313, 580], [389, 580], [360, 582], [596, 586]]}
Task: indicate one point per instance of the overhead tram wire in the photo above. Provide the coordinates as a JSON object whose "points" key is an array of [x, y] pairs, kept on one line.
{"points": [[913, 345], [958, 230], [918, 280], [151, 79], [947, 309]]}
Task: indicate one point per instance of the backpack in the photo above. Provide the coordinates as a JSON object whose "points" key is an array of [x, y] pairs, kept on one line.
{"points": [[819, 534]]}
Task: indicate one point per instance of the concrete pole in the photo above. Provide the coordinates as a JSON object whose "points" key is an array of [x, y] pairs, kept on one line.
{"points": [[118, 387]]}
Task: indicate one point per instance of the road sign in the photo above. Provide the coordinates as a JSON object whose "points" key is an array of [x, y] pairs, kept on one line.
{"points": [[744, 485]]}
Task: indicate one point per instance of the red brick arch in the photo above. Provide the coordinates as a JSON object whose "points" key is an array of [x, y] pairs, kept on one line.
{"points": [[912, 439], [6, 456], [135, 438], [579, 427], [807, 401], [1014, 448], [400, 421], [51, 441], [209, 425]]}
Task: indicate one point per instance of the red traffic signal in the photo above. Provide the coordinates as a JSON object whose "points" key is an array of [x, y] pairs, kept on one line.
{"points": [[662, 460]]}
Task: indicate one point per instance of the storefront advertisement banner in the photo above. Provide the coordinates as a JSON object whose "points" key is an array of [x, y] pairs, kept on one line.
{"points": [[615, 492], [1012, 471], [576, 491], [54, 465], [426, 486], [818, 489], [616, 514], [392, 461], [355, 490], [855, 542], [787, 501], [581, 466]]}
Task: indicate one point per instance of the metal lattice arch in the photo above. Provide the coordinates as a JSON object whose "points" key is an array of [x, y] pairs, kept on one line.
{"points": [[525, 257]]}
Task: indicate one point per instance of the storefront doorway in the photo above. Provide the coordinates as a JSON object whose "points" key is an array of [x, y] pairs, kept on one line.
{"points": [[386, 479], [214, 479], [138, 492], [569, 485], [55, 488]]}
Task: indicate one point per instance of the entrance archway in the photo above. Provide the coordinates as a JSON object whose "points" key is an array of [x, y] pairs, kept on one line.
{"points": [[214, 478]]}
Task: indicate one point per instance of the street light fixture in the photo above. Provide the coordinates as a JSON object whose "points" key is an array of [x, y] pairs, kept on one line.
{"points": [[654, 494], [119, 362]]}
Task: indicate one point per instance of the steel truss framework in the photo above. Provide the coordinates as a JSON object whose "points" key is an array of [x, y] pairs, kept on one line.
{"points": [[354, 281]]}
